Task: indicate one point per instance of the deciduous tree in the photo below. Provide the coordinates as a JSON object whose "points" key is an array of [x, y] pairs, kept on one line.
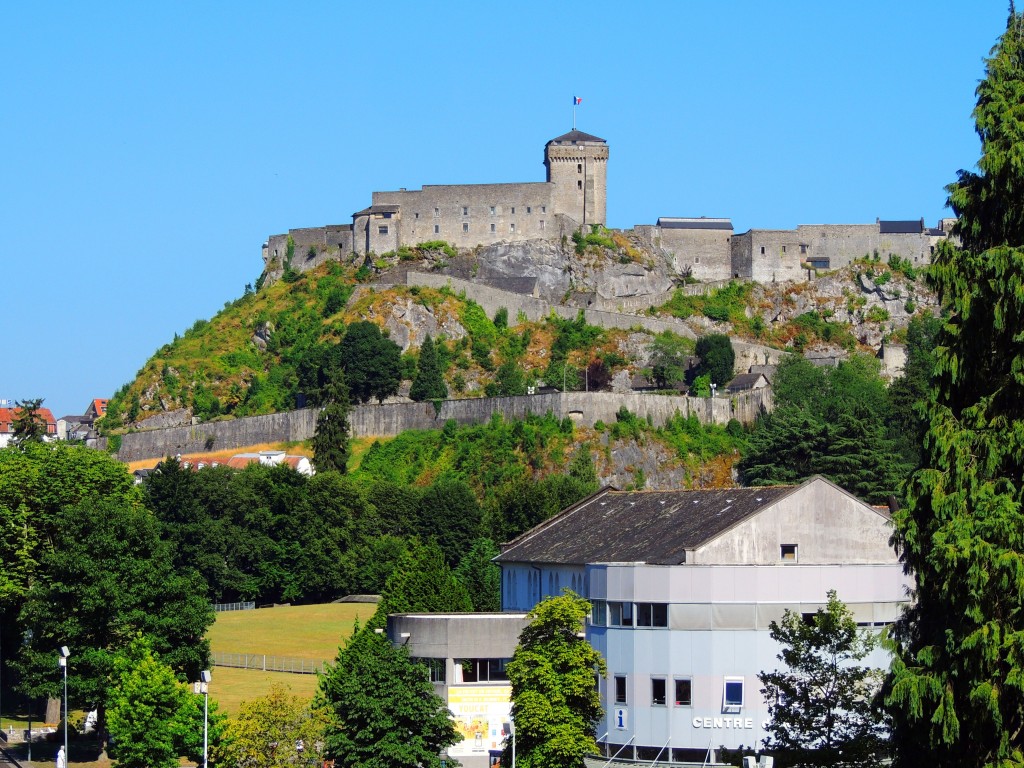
{"points": [[267, 730], [555, 704], [821, 702], [717, 358], [956, 689], [153, 718], [372, 362]]}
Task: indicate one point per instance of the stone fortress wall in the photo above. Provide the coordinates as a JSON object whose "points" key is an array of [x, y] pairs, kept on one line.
{"points": [[574, 195], [390, 419]]}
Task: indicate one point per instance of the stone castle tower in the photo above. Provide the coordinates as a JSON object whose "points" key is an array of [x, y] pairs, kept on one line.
{"points": [[577, 167]]}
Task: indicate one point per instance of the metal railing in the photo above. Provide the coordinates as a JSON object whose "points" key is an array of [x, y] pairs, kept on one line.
{"points": [[267, 663], [248, 606]]}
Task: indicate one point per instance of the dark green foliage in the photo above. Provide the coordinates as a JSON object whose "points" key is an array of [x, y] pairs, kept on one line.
{"points": [[383, 712], [829, 421], [717, 358], [481, 576], [501, 318], [29, 426], [428, 384], [908, 393], [397, 507], [956, 686], [555, 704], [528, 502], [107, 577], [669, 359], [330, 439], [372, 362], [421, 583], [599, 376], [723, 305], [449, 512], [510, 379], [821, 702]]}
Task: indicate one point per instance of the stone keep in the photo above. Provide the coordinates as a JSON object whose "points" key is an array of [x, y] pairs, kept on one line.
{"points": [[577, 168]]}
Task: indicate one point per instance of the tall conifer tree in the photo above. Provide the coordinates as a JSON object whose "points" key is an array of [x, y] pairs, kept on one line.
{"points": [[428, 384], [956, 688], [330, 439]]}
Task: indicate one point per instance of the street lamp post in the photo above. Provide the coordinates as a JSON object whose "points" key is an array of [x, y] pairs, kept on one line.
{"points": [[27, 641], [205, 676], [63, 662]]}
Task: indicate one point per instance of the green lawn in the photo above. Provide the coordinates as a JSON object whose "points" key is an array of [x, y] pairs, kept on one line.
{"points": [[300, 631]]}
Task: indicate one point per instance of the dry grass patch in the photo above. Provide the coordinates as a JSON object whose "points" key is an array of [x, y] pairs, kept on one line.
{"points": [[301, 631]]}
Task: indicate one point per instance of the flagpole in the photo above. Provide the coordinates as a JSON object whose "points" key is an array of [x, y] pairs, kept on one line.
{"points": [[574, 112]]}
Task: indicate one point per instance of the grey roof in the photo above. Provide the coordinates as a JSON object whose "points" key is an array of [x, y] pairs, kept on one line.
{"points": [[576, 137], [654, 527], [744, 381], [900, 227], [668, 222], [378, 209]]}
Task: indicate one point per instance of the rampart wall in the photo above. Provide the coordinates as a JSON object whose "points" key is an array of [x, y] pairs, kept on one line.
{"points": [[389, 419]]}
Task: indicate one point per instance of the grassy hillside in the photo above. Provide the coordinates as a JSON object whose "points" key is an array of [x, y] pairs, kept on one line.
{"points": [[302, 631]]}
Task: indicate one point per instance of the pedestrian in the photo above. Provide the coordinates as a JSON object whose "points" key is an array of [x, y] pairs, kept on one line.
{"points": [[62, 760]]}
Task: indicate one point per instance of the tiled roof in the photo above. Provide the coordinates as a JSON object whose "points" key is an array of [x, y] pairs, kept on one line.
{"points": [[8, 415], [744, 381], [638, 526], [576, 137]]}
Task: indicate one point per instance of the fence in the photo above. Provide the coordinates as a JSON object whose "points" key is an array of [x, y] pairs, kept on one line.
{"points": [[250, 606], [265, 663]]}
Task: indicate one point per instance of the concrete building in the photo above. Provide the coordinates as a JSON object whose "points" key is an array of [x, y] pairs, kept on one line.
{"points": [[684, 585], [466, 654]]}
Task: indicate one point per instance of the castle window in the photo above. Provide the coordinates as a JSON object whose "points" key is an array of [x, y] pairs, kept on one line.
{"points": [[543, 209], [542, 224], [492, 210], [529, 210], [465, 227], [437, 213], [512, 228], [762, 249], [696, 259], [783, 249], [492, 227], [382, 230], [579, 184], [415, 215], [465, 210], [437, 229], [579, 167], [387, 214], [803, 249], [513, 210]]}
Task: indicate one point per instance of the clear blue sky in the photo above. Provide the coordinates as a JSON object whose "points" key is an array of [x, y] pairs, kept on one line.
{"points": [[148, 149]]}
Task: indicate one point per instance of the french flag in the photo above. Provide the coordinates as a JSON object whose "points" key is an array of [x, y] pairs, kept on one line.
{"points": [[576, 101]]}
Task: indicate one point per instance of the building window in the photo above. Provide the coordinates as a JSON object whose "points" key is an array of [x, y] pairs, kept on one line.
{"points": [[415, 215], [783, 249], [382, 230], [436, 668], [620, 614], [387, 214], [803, 249], [579, 184], [542, 224], [465, 227], [620, 689], [513, 210], [684, 692], [529, 209], [579, 167], [493, 228], [543, 209], [788, 553], [492, 210], [696, 259], [651, 615], [465, 210], [658, 691], [483, 670], [437, 229], [437, 213], [512, 228], [762, 249], [732, 694], [597, 613]]}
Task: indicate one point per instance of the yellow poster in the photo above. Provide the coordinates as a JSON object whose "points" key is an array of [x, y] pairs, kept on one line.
{"points": [[482, 715]]}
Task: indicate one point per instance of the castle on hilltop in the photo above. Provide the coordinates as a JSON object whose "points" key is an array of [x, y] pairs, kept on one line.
{"points": [[574, 195]]}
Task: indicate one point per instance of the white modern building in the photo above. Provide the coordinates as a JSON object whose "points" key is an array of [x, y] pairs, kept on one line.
{"points": [[684, 585]]}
